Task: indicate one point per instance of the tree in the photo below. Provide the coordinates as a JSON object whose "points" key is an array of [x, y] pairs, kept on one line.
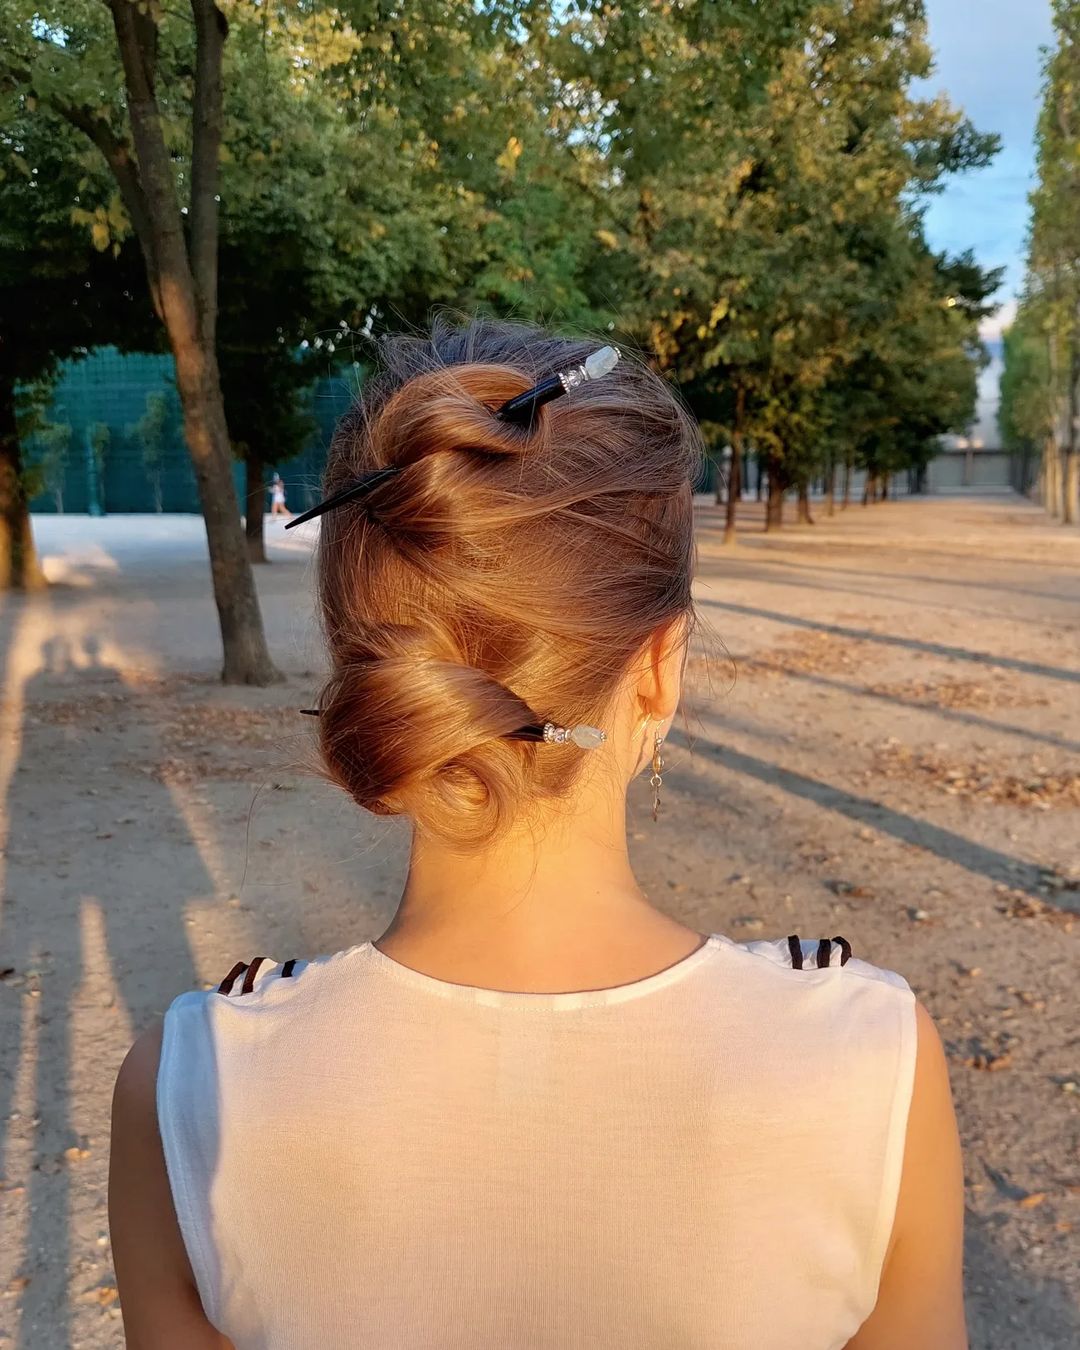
{"points": [[1051, 304], [760, 161], [149, 434], [1030, 395], [54, 442], [149, 79], [308, 230], [913, 376], [98, 438], [63, 287]]}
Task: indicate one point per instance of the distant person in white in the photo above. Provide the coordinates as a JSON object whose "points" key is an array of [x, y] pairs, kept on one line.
{"points": [[538, 1112], [277, 497]]}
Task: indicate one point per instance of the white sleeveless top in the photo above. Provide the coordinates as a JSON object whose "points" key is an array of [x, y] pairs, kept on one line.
{"points": [[363, 1156]]}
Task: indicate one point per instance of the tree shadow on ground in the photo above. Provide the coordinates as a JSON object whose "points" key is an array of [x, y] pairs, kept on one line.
{"points": [[930, 709], [892, 640], [738, 567], [935, 839], [798, 579]]}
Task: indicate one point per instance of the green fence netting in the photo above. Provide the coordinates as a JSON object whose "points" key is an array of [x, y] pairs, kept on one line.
{"points": [[110, 389]]}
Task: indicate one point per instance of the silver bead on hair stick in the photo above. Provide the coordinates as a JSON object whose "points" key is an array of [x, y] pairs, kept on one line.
{"points": [[585, 738], [523, 408], [599, 363]]}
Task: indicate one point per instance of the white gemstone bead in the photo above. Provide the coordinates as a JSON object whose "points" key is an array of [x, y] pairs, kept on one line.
{"points": [[588, 738]]}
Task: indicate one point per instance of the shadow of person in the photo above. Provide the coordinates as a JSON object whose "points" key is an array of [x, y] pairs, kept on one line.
{"points": [[94, 944]]}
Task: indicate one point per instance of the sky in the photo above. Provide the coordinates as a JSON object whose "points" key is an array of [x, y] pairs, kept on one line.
{"points": [[988, 62]]}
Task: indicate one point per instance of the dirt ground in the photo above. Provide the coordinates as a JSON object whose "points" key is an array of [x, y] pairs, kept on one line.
{"points": [[886, 749]]}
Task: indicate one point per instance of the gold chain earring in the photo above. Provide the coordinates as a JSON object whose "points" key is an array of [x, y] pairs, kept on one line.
{"points": [[657, 779]]}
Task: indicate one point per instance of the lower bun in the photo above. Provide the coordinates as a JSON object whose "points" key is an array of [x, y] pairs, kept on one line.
{"points": [[423, 738]]}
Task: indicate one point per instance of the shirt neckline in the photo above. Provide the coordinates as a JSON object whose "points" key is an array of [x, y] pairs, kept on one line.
{"points": [[578, 998]]}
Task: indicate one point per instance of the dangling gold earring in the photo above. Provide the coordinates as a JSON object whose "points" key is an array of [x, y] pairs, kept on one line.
{"points": [[657, 780]]}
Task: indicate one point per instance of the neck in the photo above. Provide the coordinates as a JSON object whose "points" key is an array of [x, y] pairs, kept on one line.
{"points": [[552, 902]]}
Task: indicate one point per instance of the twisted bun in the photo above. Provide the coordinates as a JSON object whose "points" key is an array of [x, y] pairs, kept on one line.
{"points": [[430, 726], [501, 578]]}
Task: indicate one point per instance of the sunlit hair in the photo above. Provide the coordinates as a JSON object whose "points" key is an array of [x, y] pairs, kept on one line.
{"points": [[504, 577]]}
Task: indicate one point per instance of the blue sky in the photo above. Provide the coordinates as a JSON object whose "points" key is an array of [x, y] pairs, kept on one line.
{"points": [[987, 57]]}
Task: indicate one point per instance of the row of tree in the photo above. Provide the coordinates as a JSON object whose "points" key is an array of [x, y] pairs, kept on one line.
{"points": [[1040, 387], [264, 184], [49, 469]]}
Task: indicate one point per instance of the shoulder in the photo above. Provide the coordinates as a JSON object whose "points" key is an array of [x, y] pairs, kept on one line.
{"points": [[920, 1288], [133, 1095], [135, 1137], [931, 1124], [253, 998], [158, 1293], [808, 955], [245, 982], [814, 999], [167, 1106], [258, 1006]]}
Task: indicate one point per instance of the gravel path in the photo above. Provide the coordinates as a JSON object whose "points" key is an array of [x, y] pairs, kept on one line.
{"points": [[882, 742]]}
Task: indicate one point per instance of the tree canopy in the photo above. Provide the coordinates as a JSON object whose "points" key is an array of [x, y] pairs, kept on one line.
{"points": [[736, 187]]}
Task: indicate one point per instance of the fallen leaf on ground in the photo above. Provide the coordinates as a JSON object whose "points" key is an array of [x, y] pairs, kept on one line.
{"points": [[104, 1295], [989, 1061]]}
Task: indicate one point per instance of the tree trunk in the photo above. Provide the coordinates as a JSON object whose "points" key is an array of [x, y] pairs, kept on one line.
{"points": [[255, 502], [830, 487], [19, 567], [1053, 480], [735, 479], [885, 487], [247, 660], [1045, 486], [868, 488], [1069, 448], [774, 506], [804, 516], [846, 498], [187, 293]]}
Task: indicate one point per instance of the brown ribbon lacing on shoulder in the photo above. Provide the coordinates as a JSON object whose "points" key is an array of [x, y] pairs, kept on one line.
{"points": [[225, 987], [249, 978], [823, 954], [252, 969]]}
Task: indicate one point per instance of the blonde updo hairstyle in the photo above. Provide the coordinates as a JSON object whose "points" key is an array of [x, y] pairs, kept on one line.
{"points": [[504, 577]]}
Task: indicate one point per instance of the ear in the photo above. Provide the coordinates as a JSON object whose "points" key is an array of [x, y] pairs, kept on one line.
{"points": [[663, 659]]}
